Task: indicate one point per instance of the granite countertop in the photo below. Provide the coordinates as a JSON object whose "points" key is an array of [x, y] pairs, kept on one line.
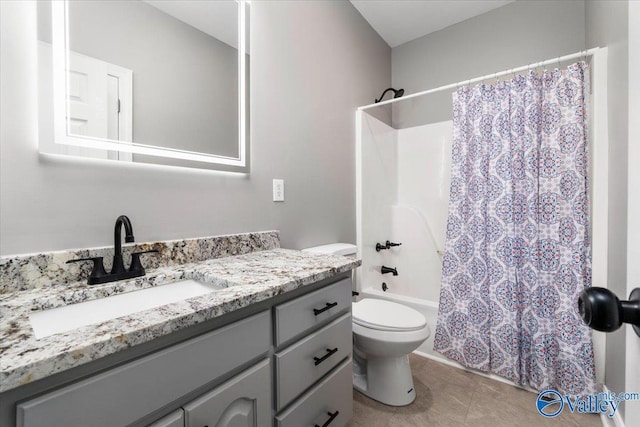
{"points": [[243, 279]]}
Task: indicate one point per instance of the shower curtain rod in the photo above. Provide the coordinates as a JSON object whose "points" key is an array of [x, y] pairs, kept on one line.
{"points": [[559, 59]]}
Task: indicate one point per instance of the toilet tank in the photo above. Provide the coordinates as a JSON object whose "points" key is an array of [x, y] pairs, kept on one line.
{"points": [[334, 249], [345, 249]]}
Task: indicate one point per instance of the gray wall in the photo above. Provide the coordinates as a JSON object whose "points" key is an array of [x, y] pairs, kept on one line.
{"points": [[510, 36], [608, 25], [304, 92]]}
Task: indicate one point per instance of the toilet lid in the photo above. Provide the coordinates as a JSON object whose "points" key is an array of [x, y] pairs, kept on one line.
{"points": [[387, 315]]}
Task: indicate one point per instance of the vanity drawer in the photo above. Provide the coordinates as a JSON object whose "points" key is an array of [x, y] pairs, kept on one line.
{"points": [[295, 317], [308, 360], [124, 394], [333, 396]]}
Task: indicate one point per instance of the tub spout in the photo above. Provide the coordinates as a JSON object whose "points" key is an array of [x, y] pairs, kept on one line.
{"points": [[385, 270]]}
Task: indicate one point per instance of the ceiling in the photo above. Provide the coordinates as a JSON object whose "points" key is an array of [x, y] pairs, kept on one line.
{"points": [[218, 18], [400, 21]]}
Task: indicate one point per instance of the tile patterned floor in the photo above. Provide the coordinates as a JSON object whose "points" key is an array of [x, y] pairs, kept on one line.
{"points": [[448, 396]]}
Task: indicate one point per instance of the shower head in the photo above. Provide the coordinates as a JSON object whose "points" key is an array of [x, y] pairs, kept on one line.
{"points": [[396, 93]]}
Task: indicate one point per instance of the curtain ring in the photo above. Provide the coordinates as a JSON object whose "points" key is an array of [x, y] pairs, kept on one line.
{"points": [[532, 68]]}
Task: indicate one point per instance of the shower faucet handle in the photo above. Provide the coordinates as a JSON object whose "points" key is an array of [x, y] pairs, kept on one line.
{"points": [[387, 245], [381, 247]]}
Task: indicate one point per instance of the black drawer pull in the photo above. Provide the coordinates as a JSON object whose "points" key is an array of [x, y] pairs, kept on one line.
{"points": [[330, 352], [331, 418], [329, 305]]}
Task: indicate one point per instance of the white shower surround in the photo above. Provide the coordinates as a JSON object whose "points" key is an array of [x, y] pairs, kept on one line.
{"points": [[405, 196], [402, 189], [407, 187]]}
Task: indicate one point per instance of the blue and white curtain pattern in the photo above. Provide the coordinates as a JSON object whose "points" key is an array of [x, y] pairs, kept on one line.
{"points": [[517, 252]]}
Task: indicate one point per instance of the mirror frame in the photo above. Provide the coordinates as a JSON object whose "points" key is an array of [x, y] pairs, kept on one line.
{"points": [[60, 42]]}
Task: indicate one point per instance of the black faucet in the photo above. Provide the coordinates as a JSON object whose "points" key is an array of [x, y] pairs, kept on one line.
{"points": [[118, 272], [385, 270], [118, 264]]}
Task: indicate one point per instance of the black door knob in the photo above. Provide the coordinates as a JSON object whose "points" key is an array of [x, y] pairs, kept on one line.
{"points": [[603, 311]]}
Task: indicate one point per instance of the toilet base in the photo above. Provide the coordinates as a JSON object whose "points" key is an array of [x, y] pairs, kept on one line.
{"points": [[387, 380]]}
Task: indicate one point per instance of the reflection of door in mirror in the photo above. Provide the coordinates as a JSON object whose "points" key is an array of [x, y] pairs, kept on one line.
{"points": [[100, 103]]}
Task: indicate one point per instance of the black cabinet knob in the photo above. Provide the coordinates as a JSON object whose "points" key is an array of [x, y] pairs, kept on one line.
{"points": [[332, 416], [330, 352], [326, 307]]}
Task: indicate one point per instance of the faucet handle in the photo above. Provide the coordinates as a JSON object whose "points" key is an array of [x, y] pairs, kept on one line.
{"points": [[98, 270], [146, 252], [136, 265], [381, 247]]}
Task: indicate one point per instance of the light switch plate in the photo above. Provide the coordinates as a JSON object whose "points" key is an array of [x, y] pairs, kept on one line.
{"points": [[278, 190]]}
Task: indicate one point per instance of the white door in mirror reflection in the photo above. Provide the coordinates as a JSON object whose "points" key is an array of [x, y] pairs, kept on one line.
{"points": [[100, 104], [99, 101], [87, 94]]}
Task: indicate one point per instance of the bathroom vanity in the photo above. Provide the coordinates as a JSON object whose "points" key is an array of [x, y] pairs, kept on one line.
{"points": [[271, 346]]}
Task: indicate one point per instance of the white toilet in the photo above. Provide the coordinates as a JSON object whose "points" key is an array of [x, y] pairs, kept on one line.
{"points": [[384, 333]]}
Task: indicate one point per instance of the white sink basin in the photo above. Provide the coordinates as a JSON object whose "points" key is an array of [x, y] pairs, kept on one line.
{"points": [[67, 318]]}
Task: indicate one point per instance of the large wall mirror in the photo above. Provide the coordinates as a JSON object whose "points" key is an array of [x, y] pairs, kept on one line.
{"points": [[151, 81]]}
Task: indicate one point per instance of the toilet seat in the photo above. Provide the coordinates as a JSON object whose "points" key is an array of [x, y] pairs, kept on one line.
{"points": [[385, 315], [392, 337]]}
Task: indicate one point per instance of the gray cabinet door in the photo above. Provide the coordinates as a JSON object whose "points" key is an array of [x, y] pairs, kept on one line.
{"points": [[243, 401]]}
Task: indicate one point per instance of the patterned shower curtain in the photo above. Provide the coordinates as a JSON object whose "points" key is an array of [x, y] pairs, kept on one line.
{"points": [[517, 252]]}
